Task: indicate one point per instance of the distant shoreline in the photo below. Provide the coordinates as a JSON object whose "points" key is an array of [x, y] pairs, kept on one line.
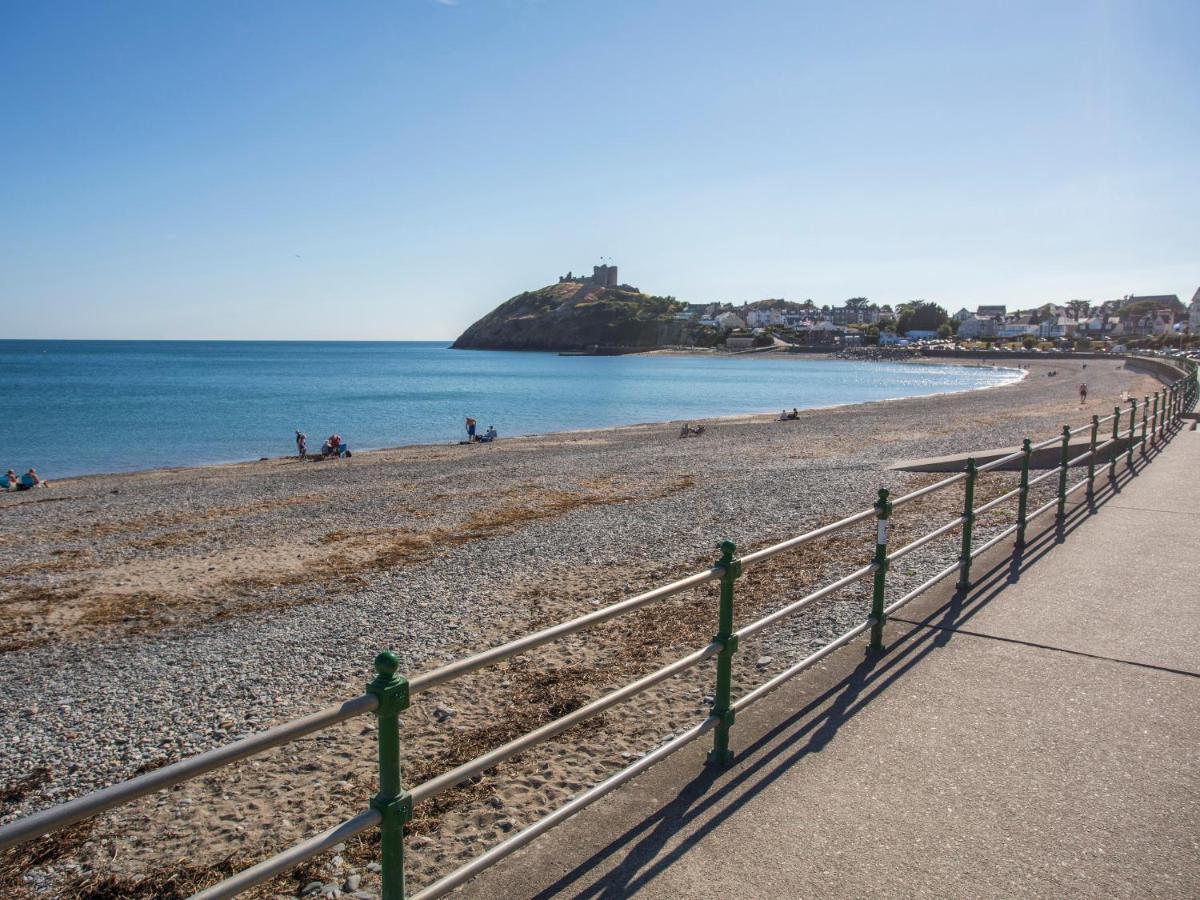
{"points": [[749, 415]]}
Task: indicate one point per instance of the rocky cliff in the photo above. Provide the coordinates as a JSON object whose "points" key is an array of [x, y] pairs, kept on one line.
{"points": [[581, 316]]}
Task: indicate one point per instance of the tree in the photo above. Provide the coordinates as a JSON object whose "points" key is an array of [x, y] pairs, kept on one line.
{"points": [[921, 316], [944, 330], [1029, 342], [1078, 309], [857, 303]]}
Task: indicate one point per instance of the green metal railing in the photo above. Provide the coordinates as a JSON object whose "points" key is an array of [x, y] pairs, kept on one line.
{"points": [[390, 693]]}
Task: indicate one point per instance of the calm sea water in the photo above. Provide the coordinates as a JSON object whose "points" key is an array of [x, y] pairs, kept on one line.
{"points": [[81, 407]]}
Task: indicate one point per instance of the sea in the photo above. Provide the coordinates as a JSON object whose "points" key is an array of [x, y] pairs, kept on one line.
{"points": [[91, 407]]}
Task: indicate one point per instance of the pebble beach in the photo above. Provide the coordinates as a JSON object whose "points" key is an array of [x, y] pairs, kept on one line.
{"points": [[153, 615]]}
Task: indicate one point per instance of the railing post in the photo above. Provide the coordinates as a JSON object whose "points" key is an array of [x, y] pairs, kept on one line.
{"points": [[883, 512], [1062, 472], [1112, 458], [1155, 423], [1023, 494], [1091, 488], [964, 559], [1145, 417], [1132, 431], [393, 802], [722, 702]]}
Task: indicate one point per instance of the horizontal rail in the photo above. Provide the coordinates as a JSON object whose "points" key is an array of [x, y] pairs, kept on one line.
{"points": [[84, 807], [1049, 442], [1012, 457], [991, 504], [1080, 458], [787, 674], [746, 630], [291, 857], [992, 542], [925, 539], [540, 827], [1049, 473], [928, 489], [461, 667], [1076, 486], [923, 587], [1080, 430], [1107, 418], [767, 552], [470, 769], [1045, 507]]}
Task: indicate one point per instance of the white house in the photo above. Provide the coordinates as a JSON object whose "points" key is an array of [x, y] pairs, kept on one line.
{"points": [[729, 321], [962, 315], [1194, 313], [976, 328]]}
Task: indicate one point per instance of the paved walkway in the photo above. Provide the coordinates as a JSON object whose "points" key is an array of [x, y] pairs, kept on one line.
{"points": [[1038, 737]]}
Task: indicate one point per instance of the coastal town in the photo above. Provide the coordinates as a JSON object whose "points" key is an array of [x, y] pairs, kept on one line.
{"points": [[1143, 321]]}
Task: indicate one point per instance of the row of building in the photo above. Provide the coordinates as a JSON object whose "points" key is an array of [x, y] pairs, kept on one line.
{"points": [[1130, 317]]}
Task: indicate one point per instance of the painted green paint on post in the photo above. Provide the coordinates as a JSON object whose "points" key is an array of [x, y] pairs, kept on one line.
{"points": [[1132, 431], [1023, 495], [1091, 488], [1145, 417], [883, 512], [720, 754], [393, 802], [1062, 471], [964, 573], [1112, 457], [1156, 423]]}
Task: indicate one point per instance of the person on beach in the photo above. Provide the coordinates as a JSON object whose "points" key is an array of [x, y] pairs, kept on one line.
{"points": [[489, 435], [9, 481], [795, 413], [302, 444], [470, 429], [783, 416], [29, 481], [1082, 394]]}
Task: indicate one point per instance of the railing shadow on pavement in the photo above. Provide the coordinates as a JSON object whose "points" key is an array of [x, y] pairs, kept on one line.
{"points": [[700, 810]]}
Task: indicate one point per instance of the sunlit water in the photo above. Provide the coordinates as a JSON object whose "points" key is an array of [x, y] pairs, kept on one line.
{"points": [[79, 407]]}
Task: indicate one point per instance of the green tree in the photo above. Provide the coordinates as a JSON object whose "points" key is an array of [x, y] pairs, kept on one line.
{"points": [[944, 330], [921, 316], [1029, 342]]}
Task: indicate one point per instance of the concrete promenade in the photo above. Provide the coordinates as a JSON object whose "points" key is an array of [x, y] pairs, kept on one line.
{"points": [[1036, 737]]}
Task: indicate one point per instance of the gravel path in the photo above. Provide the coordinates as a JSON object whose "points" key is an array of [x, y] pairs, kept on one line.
{"points": [[154, 615]]}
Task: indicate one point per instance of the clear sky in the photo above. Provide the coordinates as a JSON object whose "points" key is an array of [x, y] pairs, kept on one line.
{"points": [[393, 170]]}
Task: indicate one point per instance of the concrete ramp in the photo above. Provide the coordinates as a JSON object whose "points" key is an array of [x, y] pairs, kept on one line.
{"points": [[1046, 458]]}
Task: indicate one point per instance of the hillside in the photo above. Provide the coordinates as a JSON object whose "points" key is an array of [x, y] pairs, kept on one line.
{"points": [[581, 315]]}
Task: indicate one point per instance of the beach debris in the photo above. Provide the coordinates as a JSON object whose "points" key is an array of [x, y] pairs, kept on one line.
{"points": [[350, 885], [763, 662], [311, 888], [374, 868], [442, 713]]}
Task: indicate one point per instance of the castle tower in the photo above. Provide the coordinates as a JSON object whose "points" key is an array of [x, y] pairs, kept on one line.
{"points": [[605, 276]]}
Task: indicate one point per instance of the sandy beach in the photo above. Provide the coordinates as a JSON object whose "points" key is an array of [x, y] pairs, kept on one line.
{"points": [[153, 615]]}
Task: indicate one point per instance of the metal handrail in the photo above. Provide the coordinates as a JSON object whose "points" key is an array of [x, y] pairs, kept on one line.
{"points": [[928, 489], [792, 543], [922, 541], [1181, 395], [564, 812], [291, 857], [754, 627], [459, 774], [58, 817], [461, 667]]}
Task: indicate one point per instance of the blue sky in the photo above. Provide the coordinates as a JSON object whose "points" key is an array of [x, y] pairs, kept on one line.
{"points": [[393, 170]]}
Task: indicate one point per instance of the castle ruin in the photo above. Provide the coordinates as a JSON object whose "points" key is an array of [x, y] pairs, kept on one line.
{"points": [[602, 276]]}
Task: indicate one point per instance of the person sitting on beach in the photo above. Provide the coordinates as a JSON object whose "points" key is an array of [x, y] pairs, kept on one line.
{"points": [[489, 435], [9, 481], [783, 416], [795, 413], [29, 481], [332, 446], [302, 444]]}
